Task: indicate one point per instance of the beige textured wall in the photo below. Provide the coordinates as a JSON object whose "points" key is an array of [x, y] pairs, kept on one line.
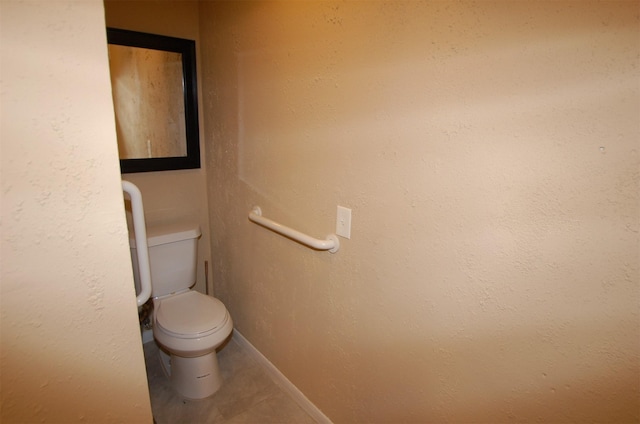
{"points": [[169, 196], [489, 151], [70, 347]]}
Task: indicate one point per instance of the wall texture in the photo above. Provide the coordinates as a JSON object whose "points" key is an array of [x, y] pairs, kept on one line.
{"points": [[169, 196], [70, 347], [489, 151]]}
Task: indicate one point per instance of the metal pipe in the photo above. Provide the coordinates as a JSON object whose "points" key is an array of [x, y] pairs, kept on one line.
{"points": [[206, 277]]}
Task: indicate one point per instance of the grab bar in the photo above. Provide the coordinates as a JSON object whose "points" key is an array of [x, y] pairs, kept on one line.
{"points": [[332, 244], [140, 232]]}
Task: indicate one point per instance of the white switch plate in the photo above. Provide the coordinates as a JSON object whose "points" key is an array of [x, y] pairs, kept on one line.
{"points": [[343, 222]]}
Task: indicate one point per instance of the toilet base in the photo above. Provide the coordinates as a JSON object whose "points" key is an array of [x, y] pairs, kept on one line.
{"points": [[193, 378]]}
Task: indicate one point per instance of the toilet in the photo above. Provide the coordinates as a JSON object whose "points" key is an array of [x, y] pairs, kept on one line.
{"points": [[187, 325]]}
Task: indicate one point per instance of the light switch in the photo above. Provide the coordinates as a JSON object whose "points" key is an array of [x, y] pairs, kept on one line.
{"points": [[343, 222]]}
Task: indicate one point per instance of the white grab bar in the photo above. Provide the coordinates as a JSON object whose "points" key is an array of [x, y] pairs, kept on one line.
{"points": [[142, 249], [332, 244]]}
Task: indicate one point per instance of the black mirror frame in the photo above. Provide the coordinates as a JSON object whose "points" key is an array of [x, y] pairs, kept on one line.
{"points": [[187, 48]]}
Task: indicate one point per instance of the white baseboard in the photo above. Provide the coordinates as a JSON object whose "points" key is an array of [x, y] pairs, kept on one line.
{"points": [[282, 381]]}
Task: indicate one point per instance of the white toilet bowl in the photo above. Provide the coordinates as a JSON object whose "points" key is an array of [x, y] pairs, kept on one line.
{"points": [[190, 326]]}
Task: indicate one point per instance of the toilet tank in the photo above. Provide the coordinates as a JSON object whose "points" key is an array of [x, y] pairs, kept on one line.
{"points": [[172, 257]]}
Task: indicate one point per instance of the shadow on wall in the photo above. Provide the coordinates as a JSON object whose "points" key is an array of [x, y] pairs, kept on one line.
{"points": [[518, 375]]}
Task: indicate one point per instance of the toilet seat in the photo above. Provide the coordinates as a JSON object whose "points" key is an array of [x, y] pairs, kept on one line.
{"points": [[190, 315]]}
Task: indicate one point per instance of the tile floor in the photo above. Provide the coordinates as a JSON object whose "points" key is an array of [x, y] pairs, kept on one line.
{"points": [[248, 394]]}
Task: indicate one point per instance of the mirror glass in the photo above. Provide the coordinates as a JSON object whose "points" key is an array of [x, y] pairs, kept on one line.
{"points": [[155, 101]]}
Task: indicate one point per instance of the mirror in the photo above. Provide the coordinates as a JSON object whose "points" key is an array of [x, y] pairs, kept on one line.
{"points": [[153, 80]]}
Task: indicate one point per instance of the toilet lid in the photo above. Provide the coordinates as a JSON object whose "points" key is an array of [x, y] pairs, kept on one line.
{"points": [[190, 313]]}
